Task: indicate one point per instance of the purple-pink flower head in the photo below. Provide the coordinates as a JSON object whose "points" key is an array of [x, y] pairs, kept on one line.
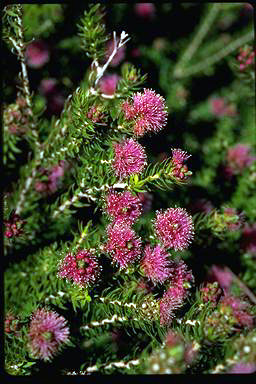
{"points": [[177, 291], [37, 54], [48, 332], [123, 245], [155, 264], [174, 228], [81, 268], [148, 111], [123, 206], [145, 10], [178, 159], [238, 158], [130, 157], [108, 84]]}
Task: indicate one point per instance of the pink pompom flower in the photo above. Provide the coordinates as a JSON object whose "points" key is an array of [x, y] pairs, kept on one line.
{"points": [[81, 268], [130, 157], [48, 332], [123, 206], [180, 170], [155, 264], [145, 10], [148, 111], [174, 228], [37, 54], [123, 245], [108, 84]]}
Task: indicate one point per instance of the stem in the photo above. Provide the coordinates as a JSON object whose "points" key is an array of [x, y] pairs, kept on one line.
{"points": [[93, 324], [242, 286], [198, 38], [233, 46], [95, 368]]}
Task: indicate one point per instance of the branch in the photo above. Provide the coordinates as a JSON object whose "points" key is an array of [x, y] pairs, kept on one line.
{"points": [[95, 368]]}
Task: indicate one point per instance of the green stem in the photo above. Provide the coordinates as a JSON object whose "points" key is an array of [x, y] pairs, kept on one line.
{"points": [[198, 38], [233, 46]]}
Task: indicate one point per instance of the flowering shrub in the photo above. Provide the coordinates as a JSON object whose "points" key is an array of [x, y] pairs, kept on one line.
{"points": [[128, 195]]}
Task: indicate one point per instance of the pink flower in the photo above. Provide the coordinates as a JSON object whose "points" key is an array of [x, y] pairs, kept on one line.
{"points": [[178, 158], [148, 111], [238, 158], [123, 245], [108, 84], [243, 368], [222, 276], [82, 268], [246, 57], [248, 240], [123, 206], [119, 56], [211, 292], [48, 86], [174, 227], [155, 264], [130, 158], [37, 54], [176, 293], [145, 10], [48, 331]]}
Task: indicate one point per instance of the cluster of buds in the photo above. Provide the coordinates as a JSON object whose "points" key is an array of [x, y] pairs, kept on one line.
{"points": [[211, 292], [219, 107], [228, 219], [14, 225], [11, 324], [180, 170], [245, 58], [96, 114], [174, 356], [230, 315], [16, 117]]}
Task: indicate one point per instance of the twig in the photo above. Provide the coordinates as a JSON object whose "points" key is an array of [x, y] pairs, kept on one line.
{"points": [[95, 368], [242, 285]]}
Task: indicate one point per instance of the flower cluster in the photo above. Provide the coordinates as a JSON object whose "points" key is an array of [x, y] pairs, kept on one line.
{"points": [[52, 176], [155, 264], [37, 54], [246, 58], [14, 225], [123, 244], [11, 323], [180, 171], [219, 107], [239, 310], [148, 111], [96, 114], [16, 117], [108, 84], [123, 206], [48, 332], [130, 158], [173, 298], [81, 268], [145, 10], [174, 227], [211, 292], [238, 158]]}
